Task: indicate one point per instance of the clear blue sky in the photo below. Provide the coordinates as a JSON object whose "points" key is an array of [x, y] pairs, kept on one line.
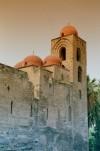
{"points": [[27, 25]]}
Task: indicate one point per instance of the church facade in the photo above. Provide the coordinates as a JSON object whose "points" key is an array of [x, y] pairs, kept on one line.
{"points": [[43, 103]]}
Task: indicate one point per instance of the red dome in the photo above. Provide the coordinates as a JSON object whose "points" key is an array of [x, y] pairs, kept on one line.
{"points": [[52, 60], [69, 30], [33, 60], [30, 60]]}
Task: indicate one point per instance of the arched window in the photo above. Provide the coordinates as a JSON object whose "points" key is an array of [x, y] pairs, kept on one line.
{"points": [[31, 113], [62, 54], [79, 74], [78, 54], [8, 87], [69, 113]]}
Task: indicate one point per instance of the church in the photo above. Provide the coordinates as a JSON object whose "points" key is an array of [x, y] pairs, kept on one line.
{"points": [[43, 103]]}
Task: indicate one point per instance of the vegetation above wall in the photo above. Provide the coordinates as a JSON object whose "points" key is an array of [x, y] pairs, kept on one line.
{"points": [[93, 96]]}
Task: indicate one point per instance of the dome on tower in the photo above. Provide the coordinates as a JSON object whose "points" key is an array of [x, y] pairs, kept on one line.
{"points": [[68, 30], [52, 60]]}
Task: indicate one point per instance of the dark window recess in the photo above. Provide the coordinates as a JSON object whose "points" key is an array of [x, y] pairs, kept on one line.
{"points": [[8, 87], [47, 113], [62, 77], [78, 54], [50, 85], [31, 113], [62, 54], [79, 74], [11, 107], [68, 98], [50, 82], [70, 113], [63, 66], [80, 94], [62, 34]]}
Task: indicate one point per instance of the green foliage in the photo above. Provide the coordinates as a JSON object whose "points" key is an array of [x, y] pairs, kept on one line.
{"points": [[97, 135], [91, 139], [93, 97]]}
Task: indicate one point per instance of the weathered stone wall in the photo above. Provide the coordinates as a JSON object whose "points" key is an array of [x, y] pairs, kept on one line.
{"points": [[55, 98], [59, 73], [45, 127], [16, 99]]}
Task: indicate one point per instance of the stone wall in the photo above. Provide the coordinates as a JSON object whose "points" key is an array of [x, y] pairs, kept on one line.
{"points": [[42, 122], [16, 99]]}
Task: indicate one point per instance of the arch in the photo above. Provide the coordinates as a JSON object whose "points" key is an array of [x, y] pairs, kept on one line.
{"points": [[78, 56], [79, 74], [62, 42], [62, 53]]}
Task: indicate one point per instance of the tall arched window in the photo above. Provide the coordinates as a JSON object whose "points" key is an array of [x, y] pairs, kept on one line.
{"points": [[11, 109], [78, 54], [47, 113], [62, 53], [31, 108], [79, 74], [69, 113]]}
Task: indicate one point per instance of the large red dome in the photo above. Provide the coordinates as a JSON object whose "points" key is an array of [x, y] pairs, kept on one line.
{"points": [[33, 60], [68, 30], [52, 60]]}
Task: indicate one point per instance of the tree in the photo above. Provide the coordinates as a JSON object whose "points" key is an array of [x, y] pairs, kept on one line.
{"points": [[93, 97], [92, 100]]}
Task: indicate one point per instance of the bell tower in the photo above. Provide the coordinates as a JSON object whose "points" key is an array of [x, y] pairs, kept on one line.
{"points": [[72, 50]]}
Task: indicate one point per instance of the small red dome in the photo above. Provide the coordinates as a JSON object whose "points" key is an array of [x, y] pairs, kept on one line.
{"points": [[19, 64], [30, 60], [33, 60], [69, 30], [52, 60]]}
